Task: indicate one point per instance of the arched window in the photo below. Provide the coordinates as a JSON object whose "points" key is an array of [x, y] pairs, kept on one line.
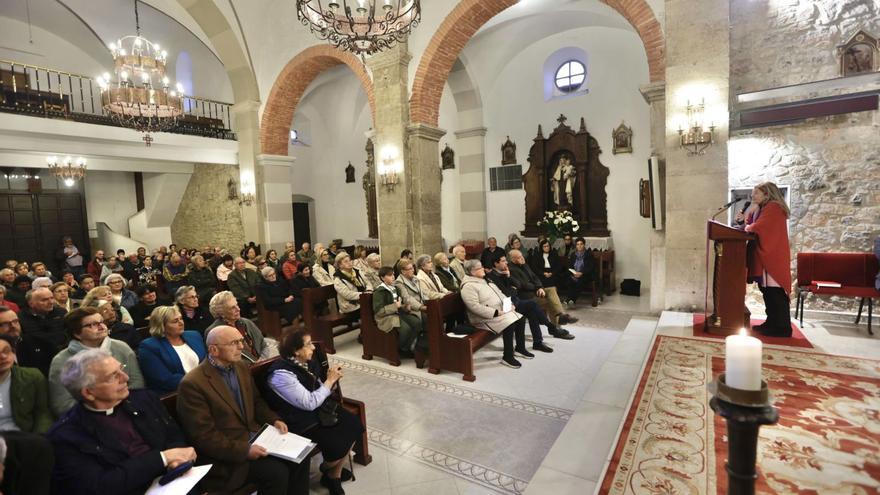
{"points": [[570, 76]]}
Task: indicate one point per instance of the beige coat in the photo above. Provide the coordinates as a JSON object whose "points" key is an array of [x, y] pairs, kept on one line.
{"points": [[347, 294], [431, 286], [411, 294], [458, 267], [371, 277], [322, 276], [482, 299], [384, 309]]}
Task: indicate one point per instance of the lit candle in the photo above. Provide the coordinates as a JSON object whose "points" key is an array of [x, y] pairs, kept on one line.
{"points": [[743, 362]]}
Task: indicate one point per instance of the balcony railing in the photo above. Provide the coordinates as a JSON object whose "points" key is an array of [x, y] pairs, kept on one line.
{"points": [[40, 91]]}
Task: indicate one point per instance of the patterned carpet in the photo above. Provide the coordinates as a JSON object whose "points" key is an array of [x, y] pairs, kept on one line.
{"points": [[826, 442]]}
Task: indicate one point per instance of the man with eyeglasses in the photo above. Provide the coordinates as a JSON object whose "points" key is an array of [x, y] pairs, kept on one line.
{"points": [[221, 410], [114, 440]]}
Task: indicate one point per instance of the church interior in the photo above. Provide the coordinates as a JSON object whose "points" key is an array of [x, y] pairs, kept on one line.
{"points": [[641, 130]]}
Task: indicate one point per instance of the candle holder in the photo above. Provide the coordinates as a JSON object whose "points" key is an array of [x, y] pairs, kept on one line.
{"points": [[745, 411]]}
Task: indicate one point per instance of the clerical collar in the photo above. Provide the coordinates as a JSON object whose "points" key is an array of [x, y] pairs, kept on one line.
{"points": [[108, 412]]}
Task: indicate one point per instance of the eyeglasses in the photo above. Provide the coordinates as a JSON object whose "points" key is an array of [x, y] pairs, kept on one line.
{"points": [[8, 324], [237, 343], [117, 375], [93, 326]]}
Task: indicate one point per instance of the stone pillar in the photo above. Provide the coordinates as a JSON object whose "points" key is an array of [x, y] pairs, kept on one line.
{"points": [[274, 170], [424, 179], [471, 144], [655, 95], [246, 120], [695, 185]]}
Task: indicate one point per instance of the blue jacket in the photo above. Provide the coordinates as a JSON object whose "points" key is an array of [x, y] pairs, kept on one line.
{"points": [[160, 363], [91, 461]]}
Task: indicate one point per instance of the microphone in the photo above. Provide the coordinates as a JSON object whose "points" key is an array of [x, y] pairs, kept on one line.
{"points": [[723, 208], [728, 205]]}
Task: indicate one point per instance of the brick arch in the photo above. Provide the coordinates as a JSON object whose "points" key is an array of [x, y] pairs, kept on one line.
{"points": [[469, 16], [290, 86]]}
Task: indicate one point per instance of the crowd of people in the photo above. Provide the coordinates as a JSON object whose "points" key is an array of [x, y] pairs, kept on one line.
{"points": [[85, 354]]}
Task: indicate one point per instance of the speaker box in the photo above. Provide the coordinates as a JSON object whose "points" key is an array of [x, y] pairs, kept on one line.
{"points": [[631, 287]]}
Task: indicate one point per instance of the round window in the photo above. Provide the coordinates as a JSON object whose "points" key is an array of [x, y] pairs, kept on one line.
{"points": [[570, 76]]}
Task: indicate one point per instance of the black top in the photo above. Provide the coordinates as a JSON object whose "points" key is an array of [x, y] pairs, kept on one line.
{"points": [[298, 420], [298, 283], [505, 283], [41, 338], [489, 257], [525, 280], [140, 313], [536, 263], [200, 321], [272, 294]]}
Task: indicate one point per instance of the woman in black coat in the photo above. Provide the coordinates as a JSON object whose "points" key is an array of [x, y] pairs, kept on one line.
{"points": [[276, 296], [545, 262]]}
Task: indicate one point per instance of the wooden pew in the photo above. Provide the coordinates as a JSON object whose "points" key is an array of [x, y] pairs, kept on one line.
{"points": [[322, 327], [376, 342], [452, 353], [269, 321]]}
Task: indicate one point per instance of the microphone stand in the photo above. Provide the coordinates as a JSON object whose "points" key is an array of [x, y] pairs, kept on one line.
{"points": [[723, 209]]}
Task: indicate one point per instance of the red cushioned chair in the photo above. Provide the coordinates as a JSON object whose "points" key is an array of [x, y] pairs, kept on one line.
{"points": [[855, 272]]}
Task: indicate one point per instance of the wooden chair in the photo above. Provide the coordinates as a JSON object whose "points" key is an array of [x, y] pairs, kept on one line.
{"points": [[452, 353], [324, 327], [375, 341]]}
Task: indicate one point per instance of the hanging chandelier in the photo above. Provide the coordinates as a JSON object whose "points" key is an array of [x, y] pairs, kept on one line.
{"points": [[67, 172], [140, 98], [362, 27]]}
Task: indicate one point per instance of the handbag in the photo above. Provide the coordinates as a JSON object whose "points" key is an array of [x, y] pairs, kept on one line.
{"points": [[327, 415]]}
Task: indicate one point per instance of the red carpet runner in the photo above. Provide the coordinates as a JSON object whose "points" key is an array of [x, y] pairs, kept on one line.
{"points": [[827, 440], [797, 338]]}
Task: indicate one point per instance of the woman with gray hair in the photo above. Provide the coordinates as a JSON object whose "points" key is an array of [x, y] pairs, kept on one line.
{"points": [[370, 272], [124, 297], [225, 309], [276, 296], [488, 310], [429, 282], [171, 351], [349, 284], [195, 315]]}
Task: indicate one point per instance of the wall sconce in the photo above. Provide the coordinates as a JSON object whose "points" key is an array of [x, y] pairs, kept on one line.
{"points": [[696, 139], [390, 168], [248, 191]]}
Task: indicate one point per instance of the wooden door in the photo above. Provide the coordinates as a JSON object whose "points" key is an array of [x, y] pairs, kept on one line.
{"points": [[32, 225], [301, 226]]}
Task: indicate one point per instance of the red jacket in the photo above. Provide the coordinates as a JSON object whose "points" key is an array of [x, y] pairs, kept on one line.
{"points": [[289, 270], [773, 253]]}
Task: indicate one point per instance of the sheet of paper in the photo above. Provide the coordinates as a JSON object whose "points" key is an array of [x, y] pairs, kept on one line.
{"points": [[181, 485], [506, 305], [288, 446]]}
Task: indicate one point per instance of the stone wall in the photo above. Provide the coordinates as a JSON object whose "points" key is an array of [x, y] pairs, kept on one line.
{"points": [[206, 215], [832, 164]]}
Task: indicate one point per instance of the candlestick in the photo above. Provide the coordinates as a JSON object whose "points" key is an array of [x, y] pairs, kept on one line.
{"points": [[743, 362]]}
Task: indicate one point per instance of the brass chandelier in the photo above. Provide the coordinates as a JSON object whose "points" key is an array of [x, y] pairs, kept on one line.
{"points": [[141, 97], [362, 27]]}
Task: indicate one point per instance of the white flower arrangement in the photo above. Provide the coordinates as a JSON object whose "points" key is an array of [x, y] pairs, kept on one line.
{"points": [[558, 224]]}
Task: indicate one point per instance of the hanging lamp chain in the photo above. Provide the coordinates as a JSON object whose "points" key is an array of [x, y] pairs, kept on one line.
{"points": [[137, 20]]}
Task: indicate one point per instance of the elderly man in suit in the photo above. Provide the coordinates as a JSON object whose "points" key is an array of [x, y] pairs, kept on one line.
{"points": [[221, 409], [459, 254], [113, 440]]}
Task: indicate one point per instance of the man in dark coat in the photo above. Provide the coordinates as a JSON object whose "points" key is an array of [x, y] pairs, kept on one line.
{"points": [[491, 253], [42, 330], [529, 287], [114, 440]]}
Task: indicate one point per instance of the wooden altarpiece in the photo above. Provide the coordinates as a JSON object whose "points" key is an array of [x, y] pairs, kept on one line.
{"points": [[589, 201]]}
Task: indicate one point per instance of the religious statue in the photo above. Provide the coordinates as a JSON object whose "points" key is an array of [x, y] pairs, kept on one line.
{"points": [[508, 152], [447, 158], [369, 185], [349, 173], [562, 183], [860, 54]]}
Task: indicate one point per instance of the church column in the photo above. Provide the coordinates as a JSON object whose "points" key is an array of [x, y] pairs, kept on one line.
{"points": [[274, 172], [695, 185], [247, 127], [471, 146], [409, 212], [655, 95]]}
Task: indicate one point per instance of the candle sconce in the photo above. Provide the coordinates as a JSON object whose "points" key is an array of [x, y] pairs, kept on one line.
{"points": [[745, 411], [390, 169], [696, 139]]}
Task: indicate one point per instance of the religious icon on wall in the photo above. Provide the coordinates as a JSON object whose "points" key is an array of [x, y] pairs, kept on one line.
{"points": [[447, 157], [349, 173], [508, 152], [859, 55], [563, 183], [622, 138]]}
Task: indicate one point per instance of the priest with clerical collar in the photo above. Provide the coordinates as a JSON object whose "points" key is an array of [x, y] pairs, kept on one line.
{"points": [[113, 440]]}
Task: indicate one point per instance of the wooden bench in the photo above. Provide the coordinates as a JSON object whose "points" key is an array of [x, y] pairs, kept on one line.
{"points": [[375, 341], [452, 353], [855, 272], [270, 321], [323, 327]]}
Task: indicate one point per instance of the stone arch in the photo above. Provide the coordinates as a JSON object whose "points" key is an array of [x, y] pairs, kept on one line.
{"points": [[469, 16], [290, 86]]}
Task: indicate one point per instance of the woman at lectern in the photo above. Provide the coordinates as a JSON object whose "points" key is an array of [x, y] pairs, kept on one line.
{"points": [[769, 261]]}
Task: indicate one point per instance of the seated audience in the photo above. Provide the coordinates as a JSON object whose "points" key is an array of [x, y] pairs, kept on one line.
{"points": [[40, 270], [23, 269], [484, 303], [102, 293], [171, 352], [305, 255], [27, 465], [131, 267], [550, 271], [333, 248], [513, 242], [371, 269], [202, 278], [147, 273], [114, 440], [272, 259], [242, 283], [225, 310], [86, 283], [410, 291], [175, 272], [195, 314], [110, 267], [221, 430], [359, 259], [9, 304], [276, 296], [491, 253], [429, 282], [529, 288], [118, 330], [43, 324], [323, 270], [41, 282], [225, 267], [122, 296], [303, 280], [459, 255], [349, 284], [250, 255], [7, 278], [298, 388], [583, 271], [445, 273], [290, 266], [76, 292], [405, 255], [61, 294], [567, 246], [391, 312], [96, 265], [148, 301], [86, 329], [20, 286]]}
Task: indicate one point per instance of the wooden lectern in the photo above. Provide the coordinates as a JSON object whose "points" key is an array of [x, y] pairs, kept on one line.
{"points": [[729, 285]]}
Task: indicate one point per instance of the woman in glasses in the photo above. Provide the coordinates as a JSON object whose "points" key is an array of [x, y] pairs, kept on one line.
{"points": [[86, 329], [171, 351]]}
